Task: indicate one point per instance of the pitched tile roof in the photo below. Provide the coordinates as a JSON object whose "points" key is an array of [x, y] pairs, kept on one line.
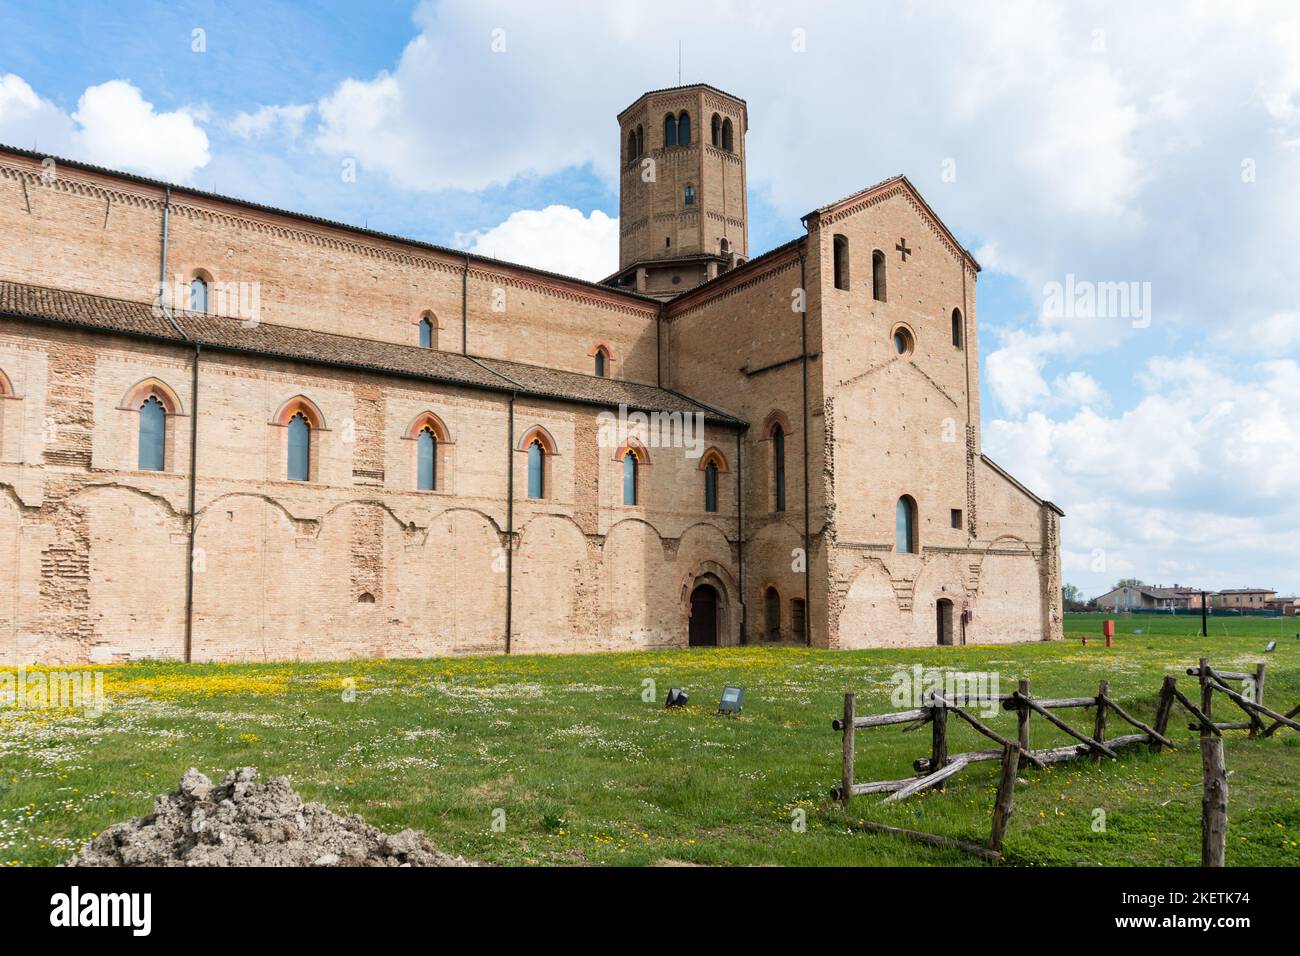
{"points": [[74, 308], [101, 313]]}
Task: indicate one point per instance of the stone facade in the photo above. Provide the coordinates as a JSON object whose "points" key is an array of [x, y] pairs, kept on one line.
{"points": [[104, 562]]}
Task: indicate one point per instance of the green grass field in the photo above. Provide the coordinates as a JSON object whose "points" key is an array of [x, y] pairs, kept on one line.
{"points": [[585, 771]]}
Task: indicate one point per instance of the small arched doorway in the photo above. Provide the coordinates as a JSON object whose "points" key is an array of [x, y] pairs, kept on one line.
{"points": [[703, 629], [943, 621], [772, 614]]}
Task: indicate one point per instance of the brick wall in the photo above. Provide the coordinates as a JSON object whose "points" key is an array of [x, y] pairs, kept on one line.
{"points": [[354, 562], [358, 562]]}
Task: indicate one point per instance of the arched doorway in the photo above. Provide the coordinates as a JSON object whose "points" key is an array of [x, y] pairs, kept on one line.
{"points": [[703, 630], [943, 621]]}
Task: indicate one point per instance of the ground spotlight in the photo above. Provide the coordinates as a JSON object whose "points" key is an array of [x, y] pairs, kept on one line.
{"points": [[733, 700], [676, 698]]}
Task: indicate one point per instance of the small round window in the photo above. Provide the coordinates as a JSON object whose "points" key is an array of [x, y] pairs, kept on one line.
{"points": [[903, 341]]}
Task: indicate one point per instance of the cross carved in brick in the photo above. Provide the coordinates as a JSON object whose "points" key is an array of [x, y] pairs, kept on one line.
{"points": [[902, 248]]}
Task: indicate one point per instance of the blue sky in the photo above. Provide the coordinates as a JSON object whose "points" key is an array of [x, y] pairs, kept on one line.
{"points": [[1104, 142]]}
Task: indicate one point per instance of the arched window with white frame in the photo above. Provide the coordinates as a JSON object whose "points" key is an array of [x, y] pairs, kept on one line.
{"points": [[426, 444], [152, 442], [301, 420], [198, 294]]}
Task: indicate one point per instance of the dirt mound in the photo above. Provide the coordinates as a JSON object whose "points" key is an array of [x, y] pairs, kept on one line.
{"points": [[242, 823]]}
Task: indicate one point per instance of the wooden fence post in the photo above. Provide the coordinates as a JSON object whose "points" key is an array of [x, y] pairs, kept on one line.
{"points": [[938, 738], [1022, 716], [846, 777], [1207, 691], [1257, 725], [1002, 805], [1099, 724], [1163, 710], [1214, 802]]}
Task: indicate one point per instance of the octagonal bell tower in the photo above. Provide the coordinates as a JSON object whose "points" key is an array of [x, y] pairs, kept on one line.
{"points": [[683, 214]]}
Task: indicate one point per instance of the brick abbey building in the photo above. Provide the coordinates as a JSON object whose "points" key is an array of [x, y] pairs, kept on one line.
{"points": [[330, 442]]}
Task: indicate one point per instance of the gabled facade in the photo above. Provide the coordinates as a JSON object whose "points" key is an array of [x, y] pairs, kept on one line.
{"points": [[913, 536]]}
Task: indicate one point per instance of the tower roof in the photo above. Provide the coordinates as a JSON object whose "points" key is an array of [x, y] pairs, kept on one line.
{"points": [[679, 89]]}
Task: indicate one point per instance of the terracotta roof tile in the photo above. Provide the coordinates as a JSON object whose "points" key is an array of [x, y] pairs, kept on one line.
{"points": [[77, 308]]}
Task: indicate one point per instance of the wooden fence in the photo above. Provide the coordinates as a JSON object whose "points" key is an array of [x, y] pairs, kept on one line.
{"points": [[1212, 682], [934, 770], [940, 764]]}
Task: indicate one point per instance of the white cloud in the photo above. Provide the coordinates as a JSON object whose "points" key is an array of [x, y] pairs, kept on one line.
{"points": [[557, 238], [1271, 334], [113, 126], [1197, 479], [120, 128], [1014, 371], [454, 114], [1078, 388], [28, 121], [290, 119]]}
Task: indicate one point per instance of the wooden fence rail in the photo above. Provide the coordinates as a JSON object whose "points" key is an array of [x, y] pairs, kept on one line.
{"points": [[933, 771], [1213, 682]]}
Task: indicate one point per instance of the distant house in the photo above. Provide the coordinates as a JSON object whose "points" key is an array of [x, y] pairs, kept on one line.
{"points": [[1288, 606], [1246, 599], [1191, 595], [1142, 597]]}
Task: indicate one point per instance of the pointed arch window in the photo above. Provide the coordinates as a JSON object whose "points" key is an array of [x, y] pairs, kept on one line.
{"points": [[631, 145], [640, 140], [428, 338], [431, 463], [684, 129], [778, 467], [152, 451], [426, 477], [715, 130], [299, 448], [905, 525], [536, 469], [712, 464], [198, 294], [629, 478], [956, 328], [601, 362], [878, 276], [726, 135], [670, 130]]}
